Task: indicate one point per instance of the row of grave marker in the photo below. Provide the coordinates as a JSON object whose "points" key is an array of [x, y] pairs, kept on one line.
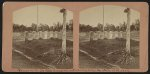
{"points": [[106, 34], [42, 35], [55, 34]]}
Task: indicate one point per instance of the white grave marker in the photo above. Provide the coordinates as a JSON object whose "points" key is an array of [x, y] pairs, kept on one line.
{"points": [[45, 35], [30, 36]]}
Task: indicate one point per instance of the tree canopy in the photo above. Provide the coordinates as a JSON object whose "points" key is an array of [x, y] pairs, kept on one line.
{"points": [[135, 26], [42, 27]]}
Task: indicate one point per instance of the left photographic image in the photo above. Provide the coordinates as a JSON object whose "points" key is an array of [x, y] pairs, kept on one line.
{"points": [[42, 38]]}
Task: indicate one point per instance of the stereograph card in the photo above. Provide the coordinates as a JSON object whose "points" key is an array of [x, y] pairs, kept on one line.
{"points": [[75, 37]]}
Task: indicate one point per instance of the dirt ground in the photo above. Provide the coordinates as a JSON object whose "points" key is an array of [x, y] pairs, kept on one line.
{"points": [[20, 61], [37, 49], [101, 48], [98, 49]]}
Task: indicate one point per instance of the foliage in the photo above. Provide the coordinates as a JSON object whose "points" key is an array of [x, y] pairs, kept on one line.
{"points": [[42, 27], [135, 26]]}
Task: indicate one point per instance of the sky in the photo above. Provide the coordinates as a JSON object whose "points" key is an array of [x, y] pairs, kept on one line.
{"points": [[46, 15], [112, 15]]}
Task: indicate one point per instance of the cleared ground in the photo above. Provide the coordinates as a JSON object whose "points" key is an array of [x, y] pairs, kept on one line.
{"points": [[20, 61], [39, 53], [100, 50]]}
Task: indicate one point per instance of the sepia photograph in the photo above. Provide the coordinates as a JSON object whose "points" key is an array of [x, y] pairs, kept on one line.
{"points": [[42, 38], [75, 37], [109, 37]]}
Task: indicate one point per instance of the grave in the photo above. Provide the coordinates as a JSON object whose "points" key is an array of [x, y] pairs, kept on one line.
{"points": [[102, 35], [110, 36], [50, 34], [113, 35], [121, 34], [91, 35], [124, 35], [99, 34], [30, 36], [59, 35], [45, 35], [37, 35], [55, 34], [40, 34], [34, 34], [26, 35], [95, 36], [116, 34], [106, 34]]}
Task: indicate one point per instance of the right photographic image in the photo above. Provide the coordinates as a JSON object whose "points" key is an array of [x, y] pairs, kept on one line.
{"points": [[109, 37]]}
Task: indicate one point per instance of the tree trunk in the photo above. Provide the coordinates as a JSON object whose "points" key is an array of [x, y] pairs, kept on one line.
{"points": [[64, 33], [128, 33]]}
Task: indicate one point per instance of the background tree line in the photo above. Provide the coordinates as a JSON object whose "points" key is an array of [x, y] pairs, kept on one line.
{"points": [[110, 27], [42, 27]]}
